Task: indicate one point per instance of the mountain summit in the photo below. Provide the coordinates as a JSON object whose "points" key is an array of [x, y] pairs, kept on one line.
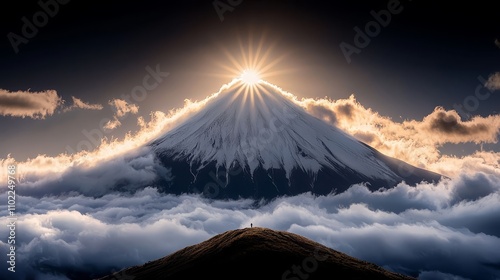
{"points": [[257, 253], [255, 141]]}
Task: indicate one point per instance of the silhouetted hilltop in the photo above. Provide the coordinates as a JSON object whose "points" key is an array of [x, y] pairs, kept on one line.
{"points": [[257, 253]]}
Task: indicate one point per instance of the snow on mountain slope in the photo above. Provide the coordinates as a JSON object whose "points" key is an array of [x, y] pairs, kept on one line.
{"points": [[261, 126]]}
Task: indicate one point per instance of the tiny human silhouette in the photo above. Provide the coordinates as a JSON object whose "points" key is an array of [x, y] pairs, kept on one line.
{"points": [[251, 225]]}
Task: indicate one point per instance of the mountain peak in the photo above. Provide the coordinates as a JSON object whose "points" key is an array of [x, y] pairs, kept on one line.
{"points": [[258, 253], [259, 125], [259, 129]]}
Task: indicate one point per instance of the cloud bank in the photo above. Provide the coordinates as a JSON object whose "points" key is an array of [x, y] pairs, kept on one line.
{"points": [[450, 229]]}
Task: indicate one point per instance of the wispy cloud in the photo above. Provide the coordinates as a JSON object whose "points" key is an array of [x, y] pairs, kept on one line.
{"points": [[122, 108], [78, 103], [38, 105], [493, 82], [112, 124], [35, 105]]}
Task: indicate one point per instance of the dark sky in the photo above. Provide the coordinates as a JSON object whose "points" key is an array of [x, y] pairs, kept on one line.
{"points": [[428, 55]]}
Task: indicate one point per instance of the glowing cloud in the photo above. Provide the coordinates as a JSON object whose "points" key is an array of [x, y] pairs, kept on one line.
{"points": [[122, 109], [414, 141], [78, 103], [35, 105], [493, 82]]}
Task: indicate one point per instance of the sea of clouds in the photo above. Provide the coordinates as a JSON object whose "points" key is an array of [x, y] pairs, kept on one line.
{"points": [[449, 230]]}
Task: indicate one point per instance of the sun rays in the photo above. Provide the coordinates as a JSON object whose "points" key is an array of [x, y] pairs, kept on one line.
{"points": [[249, 63], [250, 77], [256, 57]]}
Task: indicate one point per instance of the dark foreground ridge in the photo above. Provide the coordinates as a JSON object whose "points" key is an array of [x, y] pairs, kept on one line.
{"points": [[257, 253]]}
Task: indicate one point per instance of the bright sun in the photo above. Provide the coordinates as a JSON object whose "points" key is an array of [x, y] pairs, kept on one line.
{"points": [[250, 77], [249, 61]]}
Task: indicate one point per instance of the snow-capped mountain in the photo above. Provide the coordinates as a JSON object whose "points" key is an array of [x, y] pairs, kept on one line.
{"points": [[254, 141]]}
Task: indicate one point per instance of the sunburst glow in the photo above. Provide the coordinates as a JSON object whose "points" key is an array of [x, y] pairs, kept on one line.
{"points": [[250, 77], [250, 60], [249, 63]]}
